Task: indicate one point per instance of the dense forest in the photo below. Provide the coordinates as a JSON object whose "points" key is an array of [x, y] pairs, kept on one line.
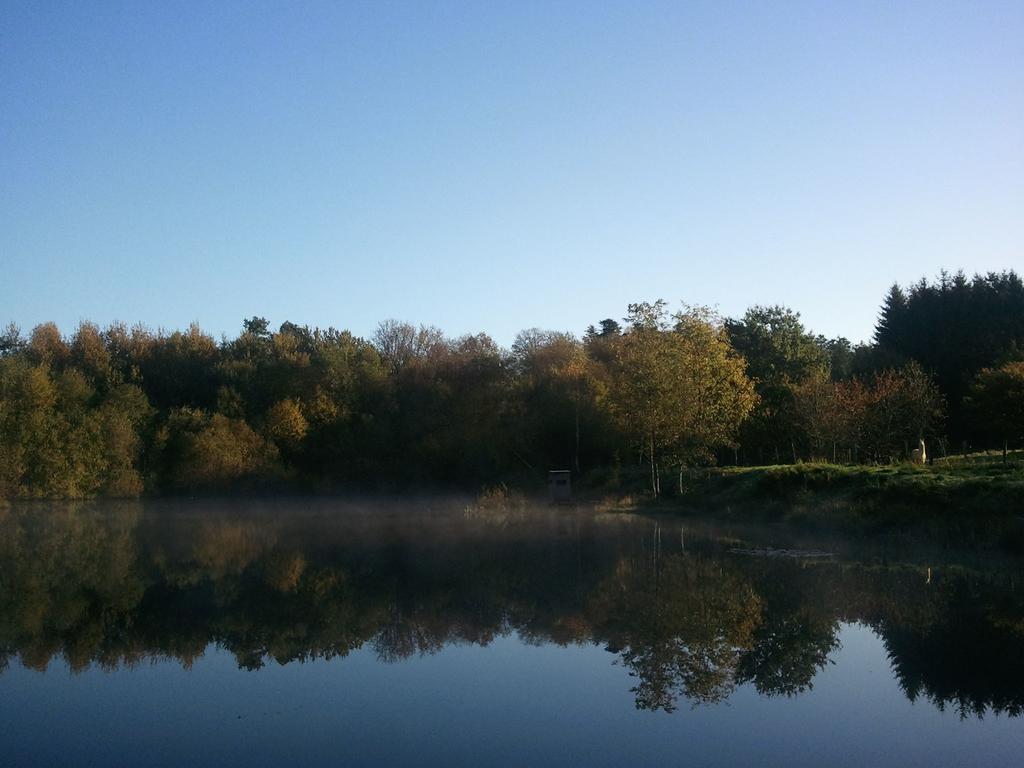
{"points": [[126, 411]]}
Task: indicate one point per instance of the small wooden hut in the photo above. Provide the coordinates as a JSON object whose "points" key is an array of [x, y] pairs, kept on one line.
{"points": [[560, 486]]}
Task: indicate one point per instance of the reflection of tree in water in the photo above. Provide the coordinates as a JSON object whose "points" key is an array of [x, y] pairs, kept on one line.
{"points": [[402, 636], [797, 633], [67, 575], [965, 659], [787, 652], [680, 628], [112, 586]]}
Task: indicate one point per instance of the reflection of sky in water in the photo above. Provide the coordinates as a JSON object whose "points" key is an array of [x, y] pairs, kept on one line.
{"points": [[508, 703]]}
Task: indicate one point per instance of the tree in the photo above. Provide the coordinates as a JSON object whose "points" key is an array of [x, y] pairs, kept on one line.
{"points": [[46, 346], [953, 327], [89, 354], [841, 355], [29, 435], [181, 369], [608, 328], [892, 320], [401, 343], [286, 425], [257, 326], [11, 341], [559, 385], [776, 344], [996, 402], [576, 375], [679, 387], [821, 418], [779, 351], [126, 424], [903, 406], [207, 452]]}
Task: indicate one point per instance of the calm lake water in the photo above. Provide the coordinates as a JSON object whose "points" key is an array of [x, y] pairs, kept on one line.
{"points": [[331, 633]]}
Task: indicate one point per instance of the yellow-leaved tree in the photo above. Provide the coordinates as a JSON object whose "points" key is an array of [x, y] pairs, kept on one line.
{"points": [[679, 388]]}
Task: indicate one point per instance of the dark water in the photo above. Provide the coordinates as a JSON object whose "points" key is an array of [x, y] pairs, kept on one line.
{"points": [[322, 633]]}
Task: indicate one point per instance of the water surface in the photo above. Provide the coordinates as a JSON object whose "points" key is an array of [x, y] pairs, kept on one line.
{"points": [[331, 633]]}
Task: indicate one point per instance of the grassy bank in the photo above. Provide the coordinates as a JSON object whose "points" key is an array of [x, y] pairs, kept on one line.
{"points": [[962, 496], [950, 487]]}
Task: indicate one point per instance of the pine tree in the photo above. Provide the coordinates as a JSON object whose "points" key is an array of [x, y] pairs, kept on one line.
{"points": [[889, 331]]}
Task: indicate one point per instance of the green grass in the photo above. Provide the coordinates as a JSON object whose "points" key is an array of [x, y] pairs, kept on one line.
{"points": [[948, 482], [959, 496]]}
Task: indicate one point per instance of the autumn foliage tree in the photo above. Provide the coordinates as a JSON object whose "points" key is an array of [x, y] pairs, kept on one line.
{"points": [[879, 419], [679, 388]]}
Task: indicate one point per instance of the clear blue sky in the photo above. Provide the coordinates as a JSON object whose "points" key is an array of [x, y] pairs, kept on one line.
{"points": [[494, 166]]}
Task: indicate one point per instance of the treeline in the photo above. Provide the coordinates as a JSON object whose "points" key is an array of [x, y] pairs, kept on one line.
{"points": [[124, 411]]}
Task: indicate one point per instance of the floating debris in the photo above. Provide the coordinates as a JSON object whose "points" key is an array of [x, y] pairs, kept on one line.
{"points": [[800, 554]]}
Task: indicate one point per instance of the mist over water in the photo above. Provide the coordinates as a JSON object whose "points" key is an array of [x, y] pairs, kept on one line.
{"points": [[436, 632]]}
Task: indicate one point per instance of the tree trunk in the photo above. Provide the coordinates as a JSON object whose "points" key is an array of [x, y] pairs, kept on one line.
{"points": [[654, 468], [576, 459]]}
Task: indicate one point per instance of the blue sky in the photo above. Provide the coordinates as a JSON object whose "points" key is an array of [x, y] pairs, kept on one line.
{"points": [[494, 166]]}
